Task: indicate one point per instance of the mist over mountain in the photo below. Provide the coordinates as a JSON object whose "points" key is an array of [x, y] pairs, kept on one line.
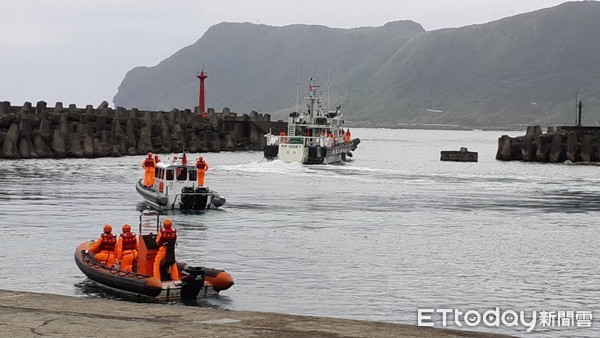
{"points": [[520, 70]]}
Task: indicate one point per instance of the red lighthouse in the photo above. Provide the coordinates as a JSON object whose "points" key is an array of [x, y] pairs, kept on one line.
{"points": [[202, 103]]}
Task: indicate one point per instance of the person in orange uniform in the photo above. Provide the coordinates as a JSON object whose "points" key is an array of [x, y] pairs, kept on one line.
{"points": [[127, 248], [348, 137], [156, 159], [166, 237], [148, 166], [202, 169], [331, 139], [104, 248]]}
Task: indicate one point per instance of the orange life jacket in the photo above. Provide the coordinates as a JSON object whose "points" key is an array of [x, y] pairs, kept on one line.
{"points": [[201, 165], [129, 240], [108, 242], [149, 163], [167, 234]]}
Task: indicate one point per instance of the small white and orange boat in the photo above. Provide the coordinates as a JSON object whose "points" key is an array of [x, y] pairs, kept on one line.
{"points": [[176, 187], [195, 281]]}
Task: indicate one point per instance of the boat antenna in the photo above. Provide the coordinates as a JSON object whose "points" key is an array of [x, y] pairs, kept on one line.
{"points": [[297, 87], [576, 98], [328, 110]]}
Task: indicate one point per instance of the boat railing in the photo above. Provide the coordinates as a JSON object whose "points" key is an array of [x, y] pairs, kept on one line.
{"points": [[273, 139], [149, 222], [309, 141], [313, 141]]}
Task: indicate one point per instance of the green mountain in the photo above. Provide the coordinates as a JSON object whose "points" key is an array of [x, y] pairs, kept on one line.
{"points": [[522, 70]]}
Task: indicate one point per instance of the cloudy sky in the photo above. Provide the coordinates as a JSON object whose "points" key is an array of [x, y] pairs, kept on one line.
{"points": [[78, 51]]}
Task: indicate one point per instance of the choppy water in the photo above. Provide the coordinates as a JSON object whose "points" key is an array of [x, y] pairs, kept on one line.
{"points": [[392, 231]]}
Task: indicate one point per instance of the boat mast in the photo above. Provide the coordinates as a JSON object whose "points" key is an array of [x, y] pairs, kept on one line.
{"points": [[328, 110], [312, 98], [298, 88]]}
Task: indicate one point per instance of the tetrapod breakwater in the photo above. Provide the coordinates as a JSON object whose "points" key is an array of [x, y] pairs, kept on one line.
{"points": [[40, 131], [559, 144]]}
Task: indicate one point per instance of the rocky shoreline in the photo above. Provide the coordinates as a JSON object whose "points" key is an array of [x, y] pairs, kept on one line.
{"points": [[56, 132]]}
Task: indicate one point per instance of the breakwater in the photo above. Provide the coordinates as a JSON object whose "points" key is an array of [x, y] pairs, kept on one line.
{"points": [[57, 132], [558, 144]]}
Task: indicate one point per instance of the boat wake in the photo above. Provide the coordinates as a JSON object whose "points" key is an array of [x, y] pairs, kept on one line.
{"points": [[266, 167]]}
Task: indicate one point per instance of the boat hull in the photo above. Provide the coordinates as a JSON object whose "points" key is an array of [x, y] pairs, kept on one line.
{"points": [[146, 286], [299, 153], [156, 198]]}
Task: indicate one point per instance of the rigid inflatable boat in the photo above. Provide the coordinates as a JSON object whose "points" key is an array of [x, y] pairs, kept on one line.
{"points": [[176, 187], [195, 281]]}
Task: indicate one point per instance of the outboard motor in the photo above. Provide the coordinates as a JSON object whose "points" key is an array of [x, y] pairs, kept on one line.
{"points": [[192, 281], [187, 201], [200, 200]]}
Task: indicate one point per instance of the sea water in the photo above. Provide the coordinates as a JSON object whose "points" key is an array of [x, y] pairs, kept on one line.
{"points": [[378, 238]]}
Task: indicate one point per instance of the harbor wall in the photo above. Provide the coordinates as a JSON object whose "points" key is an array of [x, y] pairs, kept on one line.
{"points": [[558, 144], [63, 132]]}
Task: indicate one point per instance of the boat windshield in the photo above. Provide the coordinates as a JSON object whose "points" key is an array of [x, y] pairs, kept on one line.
{"points": [[170, 174], [158, 173], [193, 175], [181, 173]]}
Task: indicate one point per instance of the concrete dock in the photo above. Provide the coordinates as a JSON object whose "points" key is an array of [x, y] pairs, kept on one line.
{"points": [[24, 314]]}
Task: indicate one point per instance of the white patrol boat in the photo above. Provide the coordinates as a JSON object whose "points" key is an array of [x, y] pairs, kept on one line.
{"points": [[313, 137], [176, 187]]}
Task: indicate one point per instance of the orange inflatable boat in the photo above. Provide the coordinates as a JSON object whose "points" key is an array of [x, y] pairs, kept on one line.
{"points": [[194, 281]]}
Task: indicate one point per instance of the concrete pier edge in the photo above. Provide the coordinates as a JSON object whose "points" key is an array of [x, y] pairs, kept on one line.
{"points": [[37, 314]]}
